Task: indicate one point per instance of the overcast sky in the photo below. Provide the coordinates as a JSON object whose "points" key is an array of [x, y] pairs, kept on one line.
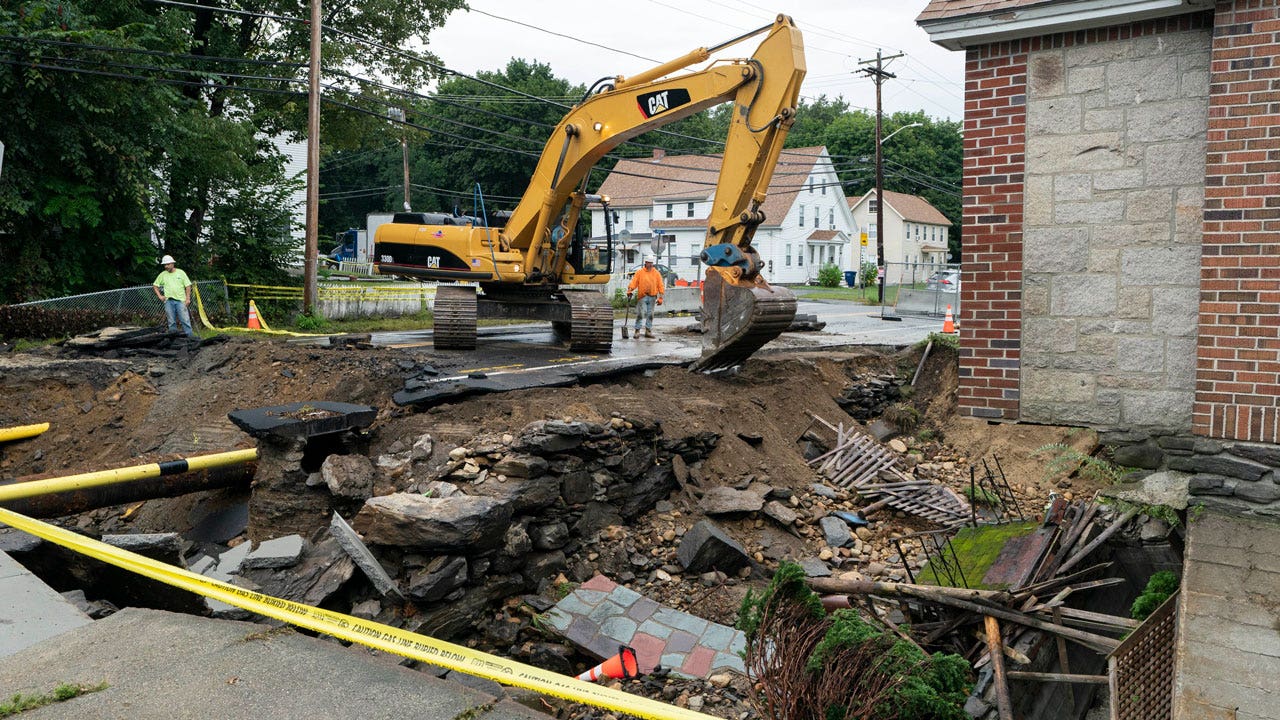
{"points": [[837, 34]]}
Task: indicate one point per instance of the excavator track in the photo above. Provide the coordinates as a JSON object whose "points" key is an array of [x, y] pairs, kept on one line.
{"points": [[591, 323], [455, 318], [739, 317]]}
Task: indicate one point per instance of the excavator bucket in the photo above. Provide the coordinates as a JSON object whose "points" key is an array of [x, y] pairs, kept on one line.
{"points": [[739, 316]]}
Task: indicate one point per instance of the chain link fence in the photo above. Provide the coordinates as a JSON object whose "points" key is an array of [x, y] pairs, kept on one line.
{"points": [[924, 288], [139, 302]]}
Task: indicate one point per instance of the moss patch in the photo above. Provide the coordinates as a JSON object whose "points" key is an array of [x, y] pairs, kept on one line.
{"points": [[977, 549]]}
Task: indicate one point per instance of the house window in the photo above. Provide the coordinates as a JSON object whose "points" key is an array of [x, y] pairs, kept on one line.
{"points": [[810, 186], [689, 210], [824, 188], [800, 257], [671, 210], [873, 205], [628, 222], [812, 251], [831, 219], [788, 254], [871, 231], [801, 216]]}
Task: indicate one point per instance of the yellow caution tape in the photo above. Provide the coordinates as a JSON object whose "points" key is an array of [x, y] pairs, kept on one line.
{"points": [[22, 432], [205, 320], [371, 634]]}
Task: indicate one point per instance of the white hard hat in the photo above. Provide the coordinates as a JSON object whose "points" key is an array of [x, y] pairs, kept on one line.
{"points": [[650, 258], [168, 259]]}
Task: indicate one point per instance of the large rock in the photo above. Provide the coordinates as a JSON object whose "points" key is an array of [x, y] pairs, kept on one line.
{"points": [[656, 484], [1266, 454], [521, 466], [836, 532], [523, 494], [725, 500], [349, 476], [1259, 492], [706, 547], [324, 569], [1169, 488], [1143, 455], [1220, 465], [440, 577], [550, 536], [453, 523]]}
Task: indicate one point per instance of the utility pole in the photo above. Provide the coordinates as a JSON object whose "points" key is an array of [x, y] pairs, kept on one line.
{"points": [[399, 115], [879, 75], [311, 254]]}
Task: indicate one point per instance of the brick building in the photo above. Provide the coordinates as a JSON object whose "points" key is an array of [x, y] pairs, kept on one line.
{"points": [[1121, 231], [1121, 268]]}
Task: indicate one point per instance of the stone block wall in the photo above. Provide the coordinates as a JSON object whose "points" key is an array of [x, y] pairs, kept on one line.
{"points": [[1114, 189], [1238, 363], [1240, 478]]}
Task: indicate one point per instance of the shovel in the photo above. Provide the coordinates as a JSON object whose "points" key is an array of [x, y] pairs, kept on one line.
{"points": [[626, 317]]}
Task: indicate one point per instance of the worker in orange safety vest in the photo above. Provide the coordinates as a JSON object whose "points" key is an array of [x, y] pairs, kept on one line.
{"points": [[646, 285]]}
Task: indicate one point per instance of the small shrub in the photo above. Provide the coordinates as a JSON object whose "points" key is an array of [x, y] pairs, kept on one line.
{"points": [[940, 340], [829, 276], [905, 417], [619, 299], [1159, 588], [926, 435], [309, 322], [1064, 460], [869, 274]]}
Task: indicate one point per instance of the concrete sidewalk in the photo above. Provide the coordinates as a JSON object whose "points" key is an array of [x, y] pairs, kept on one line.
{"points": [[30, 611], [168, 666]]}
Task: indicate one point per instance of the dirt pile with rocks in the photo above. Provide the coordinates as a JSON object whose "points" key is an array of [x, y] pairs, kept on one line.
{"points": [[650, 456]]}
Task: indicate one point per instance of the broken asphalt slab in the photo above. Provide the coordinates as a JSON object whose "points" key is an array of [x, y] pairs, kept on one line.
{"points": [[170, 666]]}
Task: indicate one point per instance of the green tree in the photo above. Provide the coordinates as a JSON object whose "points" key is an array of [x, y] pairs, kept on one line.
{"points": [[80, 149]]}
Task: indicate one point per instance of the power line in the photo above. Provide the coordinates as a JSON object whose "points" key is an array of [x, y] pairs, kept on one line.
{"points": [[561, 35]]}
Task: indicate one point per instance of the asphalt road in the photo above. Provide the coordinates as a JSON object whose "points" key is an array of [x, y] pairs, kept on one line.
{"points": [[512, 357]]}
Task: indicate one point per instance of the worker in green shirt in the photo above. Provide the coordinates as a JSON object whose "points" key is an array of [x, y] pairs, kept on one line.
{"points": [[174, 290]]}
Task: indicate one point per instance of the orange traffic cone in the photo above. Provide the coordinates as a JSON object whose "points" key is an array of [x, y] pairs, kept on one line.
{"points": [[622, 665], [949, 323], [253, 317]]}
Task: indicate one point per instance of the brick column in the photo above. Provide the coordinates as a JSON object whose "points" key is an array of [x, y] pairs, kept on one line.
{"points": [[1238, 356], [995, 119]]}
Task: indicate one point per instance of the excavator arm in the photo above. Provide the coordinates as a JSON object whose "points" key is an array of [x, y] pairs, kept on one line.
{"points": [[741, 312]]}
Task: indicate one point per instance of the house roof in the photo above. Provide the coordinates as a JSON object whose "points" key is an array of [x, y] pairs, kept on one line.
{"points": [[681, 223], [943, 9], [640, 183], [912, 208], [957, 24], [822, 234]]}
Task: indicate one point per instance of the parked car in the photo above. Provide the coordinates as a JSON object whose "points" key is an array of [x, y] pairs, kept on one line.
{"points": [[947, 281], [669, 276]]}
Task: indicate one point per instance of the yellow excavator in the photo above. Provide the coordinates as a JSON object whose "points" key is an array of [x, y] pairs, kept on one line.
{"points": [[534, 264]]}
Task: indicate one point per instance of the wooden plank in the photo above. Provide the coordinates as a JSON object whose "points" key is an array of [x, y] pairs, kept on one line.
{"points": [[995, 649], [1057, 677], [1101, 618], [1045, 586], [1102, 537]]}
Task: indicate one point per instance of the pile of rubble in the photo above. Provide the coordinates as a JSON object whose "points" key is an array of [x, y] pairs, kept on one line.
{"points": [[869, 395]]}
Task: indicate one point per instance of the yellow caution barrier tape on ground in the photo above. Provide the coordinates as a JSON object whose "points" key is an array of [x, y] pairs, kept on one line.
{"points": [[371, 634], [22, 432], [68, 483]]}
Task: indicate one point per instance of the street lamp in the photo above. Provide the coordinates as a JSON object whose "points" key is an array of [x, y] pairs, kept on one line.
{"points": [[884, 271]]}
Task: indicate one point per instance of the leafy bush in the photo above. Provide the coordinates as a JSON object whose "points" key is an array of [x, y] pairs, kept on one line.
{"points": [[829, 276], [35, 323], [869, 273], [309, 322], [1065, 460], [1159, 588], [807, 664]]}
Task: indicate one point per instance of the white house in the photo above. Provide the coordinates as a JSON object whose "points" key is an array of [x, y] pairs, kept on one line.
{"points": [[807, 219], [915, 234]]}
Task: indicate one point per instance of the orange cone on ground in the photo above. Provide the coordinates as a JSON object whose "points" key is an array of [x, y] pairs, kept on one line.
{"points": [[253, 317], [622, 665], [949, 323]]}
